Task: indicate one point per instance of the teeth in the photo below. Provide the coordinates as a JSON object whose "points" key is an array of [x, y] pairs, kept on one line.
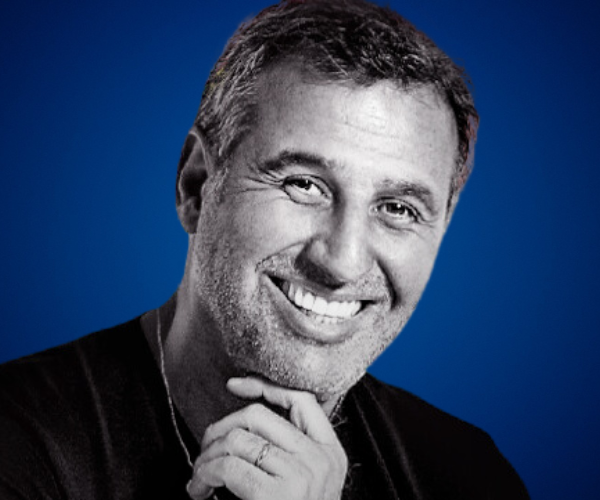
{"points": [[329, 312], [344, 308], [354, 308], [333, 309], [320, 306], [308, 300]]}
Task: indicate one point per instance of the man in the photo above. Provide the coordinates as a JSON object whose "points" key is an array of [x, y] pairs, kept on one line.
{"points": [[316, 184]]}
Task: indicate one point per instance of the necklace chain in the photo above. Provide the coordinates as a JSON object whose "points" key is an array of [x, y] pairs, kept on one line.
{"points": [[163, 372]]}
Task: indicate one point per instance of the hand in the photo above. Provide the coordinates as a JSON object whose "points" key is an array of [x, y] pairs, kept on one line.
{"points": [[258, 455]]}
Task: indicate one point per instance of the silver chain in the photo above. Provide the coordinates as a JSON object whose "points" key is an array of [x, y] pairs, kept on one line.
{"points": [[172, 406], [169, 398]]}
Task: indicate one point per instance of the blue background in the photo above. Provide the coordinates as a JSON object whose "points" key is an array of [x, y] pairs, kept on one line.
{"points": [[95, 101]]}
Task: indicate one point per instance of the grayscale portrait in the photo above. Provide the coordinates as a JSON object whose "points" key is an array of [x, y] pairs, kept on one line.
{"points": [[316, 183]]}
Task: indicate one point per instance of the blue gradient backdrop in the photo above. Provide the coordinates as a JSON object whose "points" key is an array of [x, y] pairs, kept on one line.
{"points": [[95, 101]]}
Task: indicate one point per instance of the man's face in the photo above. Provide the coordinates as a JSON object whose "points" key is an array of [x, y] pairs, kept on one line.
{"points": [[315, 251]]}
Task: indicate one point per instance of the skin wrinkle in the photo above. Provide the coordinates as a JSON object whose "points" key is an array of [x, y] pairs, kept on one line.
{"points": [[340, 43], [327, 148], [427, 97], [287, 159], [240, 351], [244, 234], [370, 288]]}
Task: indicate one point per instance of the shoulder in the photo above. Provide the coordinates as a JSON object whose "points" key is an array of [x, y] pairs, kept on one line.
{"points": [[62, 411], [405, 409], [422, 427], [56, 376], [443, 451], [75, 383]]}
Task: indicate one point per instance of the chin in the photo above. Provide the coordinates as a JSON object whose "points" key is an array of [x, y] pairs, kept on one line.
{"points": [[299, 372], [260, 345]]}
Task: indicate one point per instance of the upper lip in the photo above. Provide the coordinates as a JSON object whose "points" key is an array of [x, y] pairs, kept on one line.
{"points": [[312, 329], [322, 291]]}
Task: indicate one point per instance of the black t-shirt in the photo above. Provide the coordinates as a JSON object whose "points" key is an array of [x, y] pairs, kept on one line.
{"points": [[90, 421]]}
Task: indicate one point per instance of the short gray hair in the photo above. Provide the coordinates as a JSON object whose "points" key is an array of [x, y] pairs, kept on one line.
{"points": [[345, 41]]}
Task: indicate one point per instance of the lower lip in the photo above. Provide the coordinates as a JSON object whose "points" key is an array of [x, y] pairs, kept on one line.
{"points": [[305, 325]]}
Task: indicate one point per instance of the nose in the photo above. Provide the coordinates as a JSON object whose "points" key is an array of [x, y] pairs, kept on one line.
{"points": [[340, 252]]}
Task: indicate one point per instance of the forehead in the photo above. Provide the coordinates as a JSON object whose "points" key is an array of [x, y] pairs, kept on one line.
{"points": [[379, 128]]}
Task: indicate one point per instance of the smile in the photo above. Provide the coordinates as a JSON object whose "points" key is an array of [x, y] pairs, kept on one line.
{"points": [[318, 307]]}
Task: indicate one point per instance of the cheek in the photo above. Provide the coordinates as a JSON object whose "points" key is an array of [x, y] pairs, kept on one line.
{"points": [[269, 227], [409, 271]]}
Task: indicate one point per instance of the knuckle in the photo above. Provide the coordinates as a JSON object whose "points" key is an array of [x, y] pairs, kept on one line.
{"points": [[208, 434], [254, 412], [230, 467], [200, 470], [235, 439], [305, 397], [310, 396], [298, 440]]}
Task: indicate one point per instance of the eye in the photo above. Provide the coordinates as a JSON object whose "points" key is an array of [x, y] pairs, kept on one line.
{"points": [[397, 213], [305, 190]]}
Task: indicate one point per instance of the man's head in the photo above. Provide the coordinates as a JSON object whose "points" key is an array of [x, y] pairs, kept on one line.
{"points": [[337, 41], [317, 204]]}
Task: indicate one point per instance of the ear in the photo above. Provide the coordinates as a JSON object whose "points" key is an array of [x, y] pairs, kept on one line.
{"points": [[195, 165], [451, 206]]}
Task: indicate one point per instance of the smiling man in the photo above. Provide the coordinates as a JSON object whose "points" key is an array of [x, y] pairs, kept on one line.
{"points": [[316, 186]]}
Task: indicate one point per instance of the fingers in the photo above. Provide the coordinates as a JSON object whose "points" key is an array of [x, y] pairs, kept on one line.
{"points": [[238, 476], [197, 490], [305, 412], [249, 447], [256, 453], [259, 420]]}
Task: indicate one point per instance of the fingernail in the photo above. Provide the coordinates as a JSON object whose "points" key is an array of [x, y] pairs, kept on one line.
{"points": [[234, 382], [198, 491], [188, 488]]}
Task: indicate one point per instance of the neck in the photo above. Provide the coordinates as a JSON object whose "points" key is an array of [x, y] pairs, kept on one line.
{"points": [[196, 367]]}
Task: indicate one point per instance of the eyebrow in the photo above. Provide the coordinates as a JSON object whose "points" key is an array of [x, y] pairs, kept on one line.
{"points": [[412, 189], [288, 158]]}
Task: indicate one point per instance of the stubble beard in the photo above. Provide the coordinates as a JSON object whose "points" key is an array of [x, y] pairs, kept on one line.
{"points": [[256, 343]]}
